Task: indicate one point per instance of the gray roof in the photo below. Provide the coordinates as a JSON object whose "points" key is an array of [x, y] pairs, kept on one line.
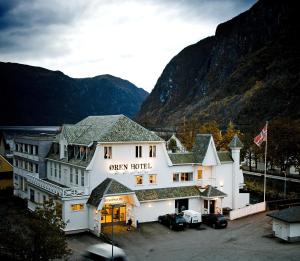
{"points": [[167, 193], [290, 215], [109, 128], [210, 192], [181, 158], [200, 147], [236, 142], [225, 156], [108, 187]]}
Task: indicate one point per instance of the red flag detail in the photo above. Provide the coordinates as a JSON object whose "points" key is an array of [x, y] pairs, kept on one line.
{"points": [[262, 136]]}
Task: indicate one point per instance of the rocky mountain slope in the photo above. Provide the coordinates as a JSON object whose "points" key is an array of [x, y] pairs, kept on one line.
{"points": [[248, 72], [36, 96]]}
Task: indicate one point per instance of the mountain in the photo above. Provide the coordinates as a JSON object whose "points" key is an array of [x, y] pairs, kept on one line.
{"points": [[248, 72], [37, 96]]}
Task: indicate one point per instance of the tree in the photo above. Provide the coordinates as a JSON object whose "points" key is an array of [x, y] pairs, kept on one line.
{"points": [[35, 236], [228, 136], [172, 145], [187, 132], [212, 127]]}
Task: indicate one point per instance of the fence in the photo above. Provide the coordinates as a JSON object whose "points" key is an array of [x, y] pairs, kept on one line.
{"points": [[246, 211]]}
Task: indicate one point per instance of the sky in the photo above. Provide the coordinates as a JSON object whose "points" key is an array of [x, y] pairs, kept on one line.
{"points": [[130, 39]]}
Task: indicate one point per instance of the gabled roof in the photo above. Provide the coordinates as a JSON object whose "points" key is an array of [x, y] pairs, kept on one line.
{"points": [[109, 187], [109, 128], [167, 193], [290, 215], [211, 192], [236, 142], [200, 147], [181, 158], [225, 156]]}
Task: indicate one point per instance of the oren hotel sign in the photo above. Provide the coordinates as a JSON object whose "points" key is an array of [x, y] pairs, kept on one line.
{"points": [[132, 166]]}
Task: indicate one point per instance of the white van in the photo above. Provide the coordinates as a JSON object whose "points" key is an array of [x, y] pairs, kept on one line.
{"points": [[192, 218], [103, 252]]}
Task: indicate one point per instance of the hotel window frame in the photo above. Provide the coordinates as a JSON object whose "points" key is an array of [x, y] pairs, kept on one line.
{"points": [[59, 171], [141, 179], [107, 152], [51, 168], [76, 176], [155, 179], [176, 177], [138, 151], [55, 170], [152, 151], [82, 178], [31, 195], [71, 176], [185, 175], [200, 173], [77, 207]]}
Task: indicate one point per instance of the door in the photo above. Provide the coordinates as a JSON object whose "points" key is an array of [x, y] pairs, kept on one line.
{"points": [[212, 206], [181, 204]]}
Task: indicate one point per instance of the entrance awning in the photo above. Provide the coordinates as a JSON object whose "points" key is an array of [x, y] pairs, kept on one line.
{"points": [[110, 188], [211, 192]]}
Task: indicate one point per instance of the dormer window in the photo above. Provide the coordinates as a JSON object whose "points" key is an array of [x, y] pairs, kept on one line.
{"points": [[107, 152]]}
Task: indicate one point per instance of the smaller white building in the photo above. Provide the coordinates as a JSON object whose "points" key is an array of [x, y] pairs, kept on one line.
{"points": [[286, 224]]}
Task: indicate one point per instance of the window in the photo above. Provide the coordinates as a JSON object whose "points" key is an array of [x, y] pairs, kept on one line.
{"points": [[199, 176], [152, 151], [139, 180], [107, 152], [36, 168], [30, 149], [44, 198], [187, 176], [30, 166], [65, 151], [82, 178], [138, 151], [31, 191], [175, 177], [55, 170], [36, 150], [59, 171], [77, 207], [51, 168], [152, 179], [76, 176], [71, 175], [26, 148]]}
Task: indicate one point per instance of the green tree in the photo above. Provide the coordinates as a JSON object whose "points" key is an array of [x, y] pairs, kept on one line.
{"points": [[172, 145], [228, 136], [35, 236]]}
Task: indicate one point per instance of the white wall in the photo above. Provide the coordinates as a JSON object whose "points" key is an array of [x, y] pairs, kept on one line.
{"points": [[75, 219], [294, 230], [125, 154]]}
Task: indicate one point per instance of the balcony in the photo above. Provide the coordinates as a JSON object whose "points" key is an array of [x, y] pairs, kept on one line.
{"points": [[26, 155], [206, 182], [24, 173], [63, 192]]}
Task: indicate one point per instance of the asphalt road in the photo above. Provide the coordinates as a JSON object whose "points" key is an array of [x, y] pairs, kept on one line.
{"points": [[244, 239]]}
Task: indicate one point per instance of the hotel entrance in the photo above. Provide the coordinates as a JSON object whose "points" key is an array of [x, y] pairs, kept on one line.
{"points": [[113, 214]]}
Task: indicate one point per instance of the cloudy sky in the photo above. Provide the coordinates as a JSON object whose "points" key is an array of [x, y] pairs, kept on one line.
{"points": [[131, 39]]}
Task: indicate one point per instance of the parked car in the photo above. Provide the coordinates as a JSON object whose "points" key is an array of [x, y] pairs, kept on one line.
{"points": [[103, 252], [173, 221], [214, 220], [192, 218]]}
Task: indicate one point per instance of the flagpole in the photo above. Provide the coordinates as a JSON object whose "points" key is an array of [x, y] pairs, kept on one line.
{"points": [[266, 148]]}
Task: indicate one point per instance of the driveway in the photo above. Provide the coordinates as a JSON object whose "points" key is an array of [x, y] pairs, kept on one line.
{"points": [[243, 239]]}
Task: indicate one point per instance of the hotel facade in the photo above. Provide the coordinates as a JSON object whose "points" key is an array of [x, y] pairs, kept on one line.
{"points": [[109, 168]]}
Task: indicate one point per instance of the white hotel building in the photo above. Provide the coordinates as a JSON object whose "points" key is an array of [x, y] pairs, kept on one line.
{"points": [[106, 160]]}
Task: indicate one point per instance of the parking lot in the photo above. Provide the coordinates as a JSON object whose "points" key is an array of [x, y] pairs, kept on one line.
{"points": [[245, 239]]}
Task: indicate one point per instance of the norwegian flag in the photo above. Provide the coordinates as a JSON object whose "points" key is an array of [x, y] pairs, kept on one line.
{"points": [[262, 136]]}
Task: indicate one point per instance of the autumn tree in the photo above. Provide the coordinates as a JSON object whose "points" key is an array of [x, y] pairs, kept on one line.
{"points": [[187, 131], [212, 127], [173, 145]]}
